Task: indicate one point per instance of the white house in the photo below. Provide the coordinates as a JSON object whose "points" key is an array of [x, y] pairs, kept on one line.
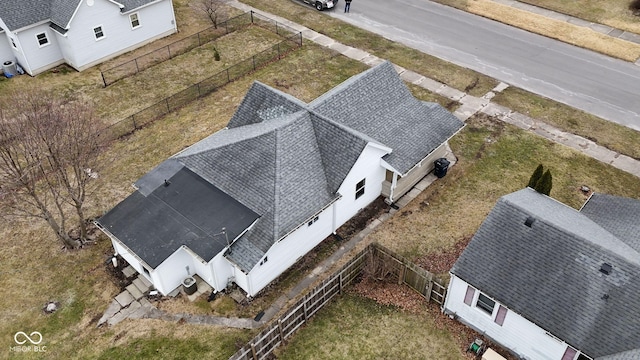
{"points": [[247, 202], [41, 34], [549, 282]]}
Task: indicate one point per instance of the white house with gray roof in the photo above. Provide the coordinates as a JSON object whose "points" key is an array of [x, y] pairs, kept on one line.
{"points": [[41, 34], [247, 202], [550, 282]]}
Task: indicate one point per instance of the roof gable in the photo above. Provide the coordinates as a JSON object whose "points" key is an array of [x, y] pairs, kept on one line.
{"points": [[550, 272], [377, 103]]}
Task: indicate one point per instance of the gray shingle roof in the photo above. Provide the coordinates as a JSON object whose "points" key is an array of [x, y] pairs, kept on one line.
{"points": [[21, 13], [378, 104], [620, 216], [285, 161], [549, 272]]}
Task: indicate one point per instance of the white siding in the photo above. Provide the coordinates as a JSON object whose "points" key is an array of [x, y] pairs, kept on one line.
{"points": [[169, 275], [517, 333], [35, 59], [82, 50], [368, 167], [5, 48], [285, 253]]}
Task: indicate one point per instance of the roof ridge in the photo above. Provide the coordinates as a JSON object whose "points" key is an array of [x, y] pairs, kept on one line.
{"points": [[278, 178], [617, 248]]}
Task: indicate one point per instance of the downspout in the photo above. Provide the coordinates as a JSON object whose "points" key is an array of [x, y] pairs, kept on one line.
{"points": [[394, 183], [333, 220]]}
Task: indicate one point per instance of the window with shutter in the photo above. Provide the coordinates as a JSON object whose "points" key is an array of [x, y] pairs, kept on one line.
{"points": [[468, 297], [502, 312], [569, 354]]}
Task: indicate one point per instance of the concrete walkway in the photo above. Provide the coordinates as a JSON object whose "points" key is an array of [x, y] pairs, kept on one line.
{"points": [[131, 303]]}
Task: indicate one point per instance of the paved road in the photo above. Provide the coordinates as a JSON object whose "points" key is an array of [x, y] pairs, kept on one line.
{"points": [[586, 80]]}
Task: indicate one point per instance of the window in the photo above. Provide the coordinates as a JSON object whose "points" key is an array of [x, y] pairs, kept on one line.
{"points": [[468, 297], [360, 188], [145, 271], [312, 221], [135, 21], [502, 313], [97, 31], [485, 304], [569, 354], [42, 39], [264, 260]]}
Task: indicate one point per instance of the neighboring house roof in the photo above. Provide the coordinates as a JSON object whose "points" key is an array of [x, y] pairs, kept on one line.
{"points": [[379, 105], [550, 272], [18, 14], [281, 159]]}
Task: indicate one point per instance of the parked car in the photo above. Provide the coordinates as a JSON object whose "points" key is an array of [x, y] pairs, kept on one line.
{"points": [[322, 4]]}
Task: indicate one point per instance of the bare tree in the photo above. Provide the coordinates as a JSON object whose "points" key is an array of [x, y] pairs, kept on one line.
{"points": [[49, 150], [214, 9]]}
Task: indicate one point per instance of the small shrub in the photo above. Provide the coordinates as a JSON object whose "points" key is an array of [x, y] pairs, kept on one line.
{"points": [[216, 54], [635, 7]]}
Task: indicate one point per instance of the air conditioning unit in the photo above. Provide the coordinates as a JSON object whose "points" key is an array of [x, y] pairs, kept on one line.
{"points": [[490, 354]]}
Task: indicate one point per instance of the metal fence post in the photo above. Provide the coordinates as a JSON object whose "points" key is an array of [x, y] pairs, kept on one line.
{"points": [[103, 80], [277, 28], [254, 62], [199, 44], [133, 121], [278, 51], [252, 16], [228, 79], [137, 68]]}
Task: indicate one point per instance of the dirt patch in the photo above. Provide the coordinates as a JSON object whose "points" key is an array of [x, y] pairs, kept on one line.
{"points": [[442, 262], [363, 218]]}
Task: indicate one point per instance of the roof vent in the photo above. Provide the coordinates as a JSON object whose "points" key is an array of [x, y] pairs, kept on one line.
{"points": [[605, 268], [530, 220]]}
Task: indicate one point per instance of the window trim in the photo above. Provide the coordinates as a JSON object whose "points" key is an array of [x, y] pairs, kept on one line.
{"points": [[360, 186], [137, 19], [46, 39], [95, 33], [480, 304]]}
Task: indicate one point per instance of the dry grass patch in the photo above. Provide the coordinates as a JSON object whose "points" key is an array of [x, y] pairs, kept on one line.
{"points": [[608, 134], [615, 13], [354, 327], [572, 34]]}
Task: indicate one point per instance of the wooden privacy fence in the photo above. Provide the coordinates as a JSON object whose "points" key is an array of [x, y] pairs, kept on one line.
{"points": [[374, 259]]}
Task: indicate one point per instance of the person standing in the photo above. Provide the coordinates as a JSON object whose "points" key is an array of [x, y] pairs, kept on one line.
{"points": [[347, 5]]}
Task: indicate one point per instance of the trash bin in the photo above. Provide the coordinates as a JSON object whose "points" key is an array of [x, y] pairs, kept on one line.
{"points": [[440, 167], [189, 285]]}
